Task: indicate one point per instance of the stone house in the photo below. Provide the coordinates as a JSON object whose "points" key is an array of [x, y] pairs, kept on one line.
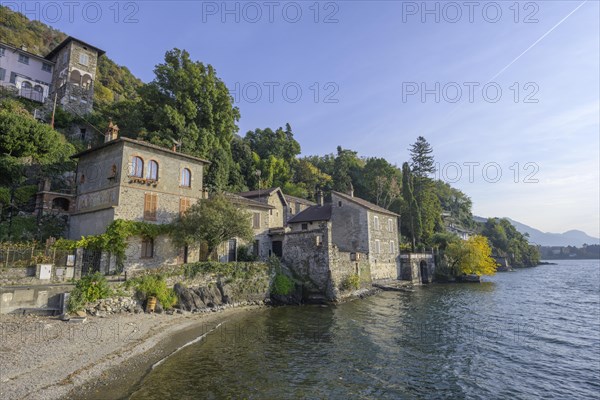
{"points": [[68, 71], [74, 73], [260, 213], [134, 180], [328, 242], [277, 218], [296, 205]]}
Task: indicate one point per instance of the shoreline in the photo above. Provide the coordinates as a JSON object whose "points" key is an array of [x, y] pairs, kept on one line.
{"points": [[101, 358]]}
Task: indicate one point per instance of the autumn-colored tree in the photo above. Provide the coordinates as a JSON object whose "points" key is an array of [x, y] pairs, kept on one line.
{"points": [[472, 256]]}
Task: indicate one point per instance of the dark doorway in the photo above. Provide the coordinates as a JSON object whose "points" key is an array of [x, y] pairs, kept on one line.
{"points": [[278, 248], [232, 250], [424, 272], [90, 261]]}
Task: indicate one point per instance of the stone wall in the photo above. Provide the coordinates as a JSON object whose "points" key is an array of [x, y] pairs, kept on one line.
{"points": [[168, 188], [165, 253], [322, 269], [411, 267], [41, 298], [350, 225]]}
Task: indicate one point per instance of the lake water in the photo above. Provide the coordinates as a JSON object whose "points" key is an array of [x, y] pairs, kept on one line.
{"points": [[533, 333]]}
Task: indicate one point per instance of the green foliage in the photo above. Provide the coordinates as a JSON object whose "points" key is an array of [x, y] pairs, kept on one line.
{"points": [[422, 162], [456, 203], [507, 242], [154, 285], [282, 285], [441, 240], [246, 254], [112, 82], [88, 289], [114, 240], [212, 221], [189, 104], [351, 282], [233, 270]]}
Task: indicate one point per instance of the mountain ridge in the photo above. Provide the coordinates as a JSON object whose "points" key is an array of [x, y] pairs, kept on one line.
{"points": [[572, 237]]}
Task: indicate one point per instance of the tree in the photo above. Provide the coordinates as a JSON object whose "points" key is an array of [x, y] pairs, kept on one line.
{"points": [[472, 256], [411, 214], [422, 162], [189, 105], [212, 221]]}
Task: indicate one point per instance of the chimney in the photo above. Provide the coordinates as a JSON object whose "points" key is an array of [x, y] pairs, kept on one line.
{"points": [[174, 148], [23, 47], [351, 190], [112, 133], [319, 196]]}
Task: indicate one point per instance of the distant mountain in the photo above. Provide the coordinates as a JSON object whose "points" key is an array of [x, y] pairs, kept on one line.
{"points": [[569, 238]]}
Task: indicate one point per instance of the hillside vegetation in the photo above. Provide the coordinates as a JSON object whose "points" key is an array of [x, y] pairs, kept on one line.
{"points": [[113, 82]]}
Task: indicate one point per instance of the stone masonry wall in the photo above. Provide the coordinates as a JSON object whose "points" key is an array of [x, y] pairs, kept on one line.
{"points": [[350, 226], [385, 263], [309, 262]]}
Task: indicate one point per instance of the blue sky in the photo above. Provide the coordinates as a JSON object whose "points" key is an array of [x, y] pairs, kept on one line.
{"points": [[369, 58]]}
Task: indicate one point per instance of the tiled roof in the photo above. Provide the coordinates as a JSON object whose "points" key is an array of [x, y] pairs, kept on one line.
{"points": [[366, 204], [294, 199], [246, 202], [140, 143], [258, 193], [313, 213], [66, 41]]}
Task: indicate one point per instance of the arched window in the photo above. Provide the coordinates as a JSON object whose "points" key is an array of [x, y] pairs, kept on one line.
{"points": [[186, 178], [152, 170], [25, 85], [137, 167]]}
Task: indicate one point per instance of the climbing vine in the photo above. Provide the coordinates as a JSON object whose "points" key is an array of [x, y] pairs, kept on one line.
{"points": [[114, 240]]}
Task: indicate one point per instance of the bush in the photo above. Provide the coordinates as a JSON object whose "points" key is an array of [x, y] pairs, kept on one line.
{"points": [[352, 282], [245, 254], [88, 289], [282, 285], [155, 286], [234, 270]]}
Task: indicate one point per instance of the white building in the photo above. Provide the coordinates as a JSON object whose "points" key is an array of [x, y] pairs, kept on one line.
{"points": [[28, 74]]}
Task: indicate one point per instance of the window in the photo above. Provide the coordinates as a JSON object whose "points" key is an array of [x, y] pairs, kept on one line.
{"points": [[147, 248], [82, 132], [392, 247], [136, 168], [2, 49], [376, 223], [184, 204], [390, 225], [84, 59], [25, 85], [304, 227], [256, 220], [152, 170], [339, 203], [23, 59], [150, 206], [186, 178], [13, 77], [2, 74], [46, 67], [377, 247]]}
